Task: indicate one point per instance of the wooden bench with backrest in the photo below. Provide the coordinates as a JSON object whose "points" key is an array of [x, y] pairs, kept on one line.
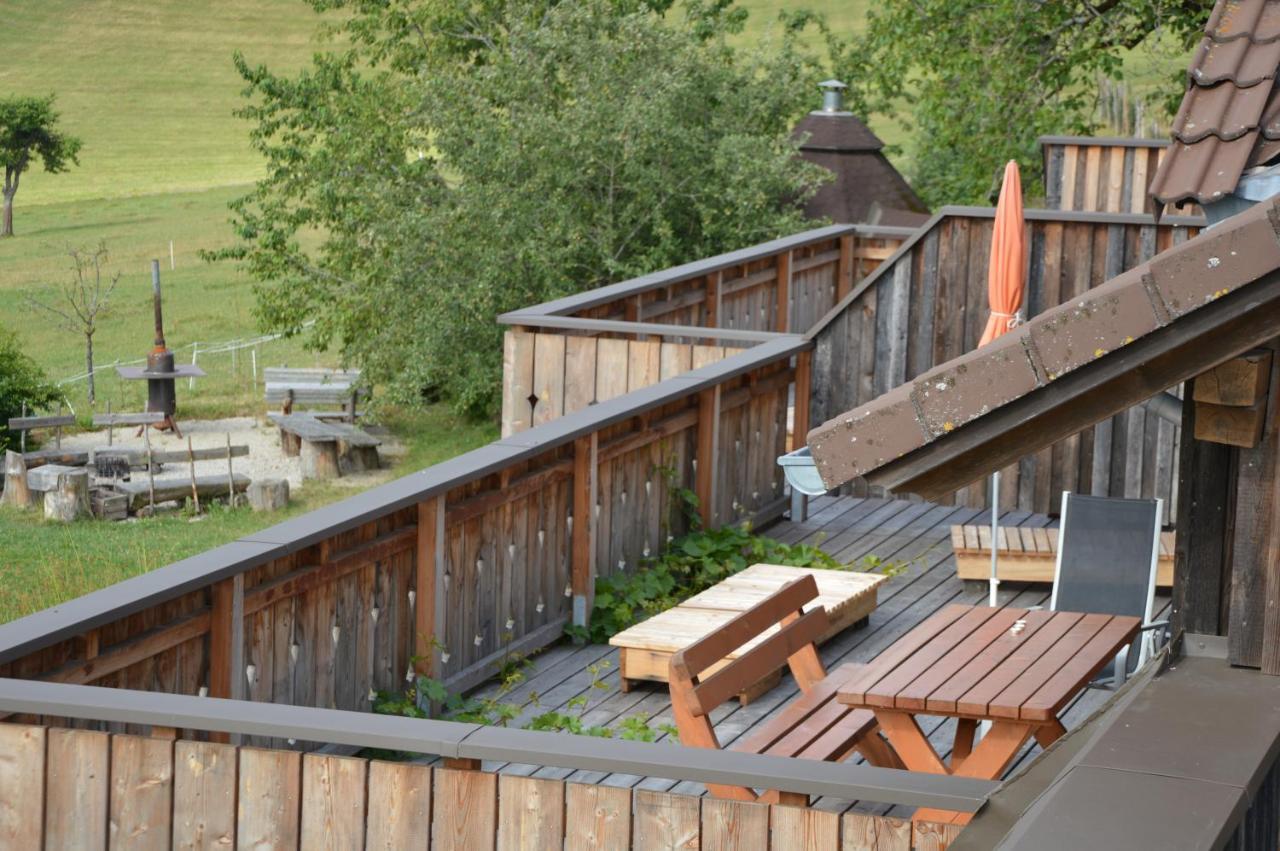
{"points": [[312, 388], [813, 726]]}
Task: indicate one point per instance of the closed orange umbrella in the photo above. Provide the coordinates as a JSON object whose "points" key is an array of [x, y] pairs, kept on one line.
{"points": [[1005, 278], [1005, 282]]}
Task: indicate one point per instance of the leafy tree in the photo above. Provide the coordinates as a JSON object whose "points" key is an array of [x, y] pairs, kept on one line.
{"points": [[976, 81], [82, 300], [28, 130], [21, 382], [462, 159]]}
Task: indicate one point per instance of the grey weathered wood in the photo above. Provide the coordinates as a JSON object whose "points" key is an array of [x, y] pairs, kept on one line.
{"points": [[209, 487], [141, 418], [68, 499], [268, 494], [28, 423], [312, 428]]}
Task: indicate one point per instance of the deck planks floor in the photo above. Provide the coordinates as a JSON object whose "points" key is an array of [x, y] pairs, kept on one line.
{"points": [[913, 535]]}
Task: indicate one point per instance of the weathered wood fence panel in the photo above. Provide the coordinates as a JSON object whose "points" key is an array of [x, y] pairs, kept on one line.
{"points": [[929, 304], [546, 375], [1103, 174], [185, 794]]}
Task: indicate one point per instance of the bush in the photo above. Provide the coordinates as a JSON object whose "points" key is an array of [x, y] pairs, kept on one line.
{"points": [[22, 381]]}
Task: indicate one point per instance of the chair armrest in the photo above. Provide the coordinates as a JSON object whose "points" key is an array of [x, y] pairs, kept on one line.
{"points": [[1147, 627]]}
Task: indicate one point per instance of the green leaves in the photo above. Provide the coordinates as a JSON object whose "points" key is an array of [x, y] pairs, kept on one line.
{"points": [[21, 382], [462, 159]]}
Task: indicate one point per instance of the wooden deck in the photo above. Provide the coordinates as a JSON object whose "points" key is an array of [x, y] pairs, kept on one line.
{"points": [[913, 534]]}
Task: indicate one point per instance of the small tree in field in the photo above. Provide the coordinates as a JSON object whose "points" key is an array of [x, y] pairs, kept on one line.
{"points": [[28, 129], [83, 300]]}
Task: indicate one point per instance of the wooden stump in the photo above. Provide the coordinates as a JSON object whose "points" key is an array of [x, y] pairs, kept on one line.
{"points": [[320, 459], [69, 498], [290, 444], [16, 492], [268, 494], [357, 459]]}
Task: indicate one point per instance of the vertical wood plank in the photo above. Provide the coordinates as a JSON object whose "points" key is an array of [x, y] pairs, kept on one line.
{"points": [[932, 836], [783, 318], [226, 643], [708, 452], [333, 804], [611, 368], [22, 780], [548, 377], [1092, 176], [1115, 180], [579, 373], [711, 299], [596, 817], [400, 806], [585, 495], [466, 810], [804, 829], [530, 813], [517, 380], [865, 832], [734, 825], [1138, 182], [803, 386], [644, 363], [844, 268], [676, 359], [141, 793], [664, 821], [429, 602], [1070, 155], [268, 799], [78, 789], [204, 795]]}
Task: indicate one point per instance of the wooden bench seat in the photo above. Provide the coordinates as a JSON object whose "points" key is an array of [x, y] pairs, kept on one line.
{"points": [[813, 726], [328, 449], [313, 387]]}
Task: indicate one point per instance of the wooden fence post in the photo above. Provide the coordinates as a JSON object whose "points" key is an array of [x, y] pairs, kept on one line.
{"points": [[429, 595], [585, 461], [226, 644], [844, 268], [784, 292], [707, 453], [711, 299]]}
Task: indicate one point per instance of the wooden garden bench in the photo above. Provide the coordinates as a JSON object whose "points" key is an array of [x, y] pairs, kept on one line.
{"points": [[328, 449], [292, 388], [813, 726]]}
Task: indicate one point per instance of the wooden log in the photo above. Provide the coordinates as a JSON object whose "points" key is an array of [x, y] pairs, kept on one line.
{"points": [[1240, 381], [16, 493], [69, 499], [268, 494], [1230, 425], [357, 459], [320, 459], [209, 487]]}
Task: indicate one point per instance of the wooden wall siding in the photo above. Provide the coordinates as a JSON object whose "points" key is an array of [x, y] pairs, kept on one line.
{"points": [[329, 624], [158, 793], [1100, 175], [745, 297], [546, 375], [930, 305]]}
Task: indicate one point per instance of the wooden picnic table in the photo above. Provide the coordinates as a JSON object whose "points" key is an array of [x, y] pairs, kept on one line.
{"points": [[1017, 668]]}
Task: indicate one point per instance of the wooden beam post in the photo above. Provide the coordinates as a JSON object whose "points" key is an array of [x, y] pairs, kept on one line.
{"points": [[804, 381], [711, 300], [429, 595], [585, 466], [226, 644], [707, 453], [784, 291], [1202, 554], [844, 268]]}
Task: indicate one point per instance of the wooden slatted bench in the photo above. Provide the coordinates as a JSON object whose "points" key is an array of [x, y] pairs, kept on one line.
{"points": [[1027, 555], [781, 629], [645, 649], [328, 450], [311, 388]]}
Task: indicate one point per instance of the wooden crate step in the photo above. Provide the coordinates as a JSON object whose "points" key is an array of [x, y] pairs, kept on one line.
{"points": [[1027, 555]]}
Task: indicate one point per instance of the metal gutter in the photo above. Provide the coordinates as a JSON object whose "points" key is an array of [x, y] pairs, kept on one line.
{"points": [[471, 741]]}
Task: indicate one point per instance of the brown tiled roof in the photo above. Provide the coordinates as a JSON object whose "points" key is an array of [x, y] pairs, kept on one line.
{"points": [[864, 177], [1229, 120], [836, 131], [1087, 330]]}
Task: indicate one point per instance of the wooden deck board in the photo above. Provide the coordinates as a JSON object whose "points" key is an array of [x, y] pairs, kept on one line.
{"points": [[913, 534]]}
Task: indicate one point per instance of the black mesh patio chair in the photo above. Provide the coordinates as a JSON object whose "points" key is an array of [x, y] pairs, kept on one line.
{"points": [[1108, 551]]}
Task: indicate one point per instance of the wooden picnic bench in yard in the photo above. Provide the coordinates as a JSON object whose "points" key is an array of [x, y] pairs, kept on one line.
{"points": [[1026, 554], [782, 628], [645, 650], [1017, 668], [328, 450], [293, 388]]}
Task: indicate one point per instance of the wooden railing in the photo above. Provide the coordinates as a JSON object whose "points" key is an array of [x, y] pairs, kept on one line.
{"points": [[168, 785], [929, 304], [1098, 174]]}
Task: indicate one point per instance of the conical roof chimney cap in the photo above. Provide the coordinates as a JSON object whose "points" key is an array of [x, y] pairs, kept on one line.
{"points": [[832, 95]]}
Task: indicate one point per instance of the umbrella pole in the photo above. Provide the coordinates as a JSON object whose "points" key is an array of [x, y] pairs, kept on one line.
{"points": [[995, 534]]}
